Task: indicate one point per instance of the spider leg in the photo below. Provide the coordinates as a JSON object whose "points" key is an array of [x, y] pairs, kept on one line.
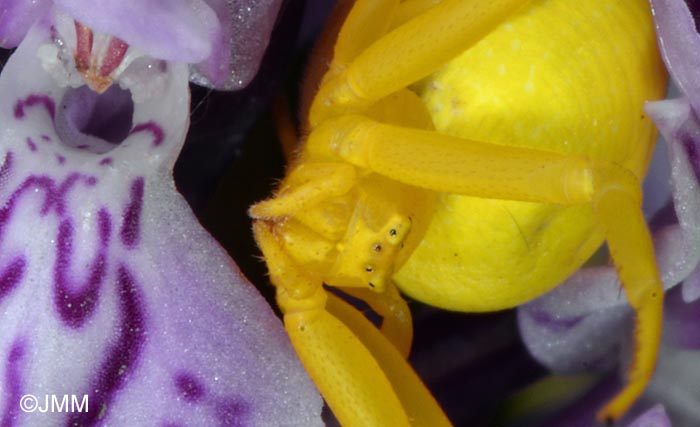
{"points": [[409, 9], [314, 182], [331, 351], [409, 53], [420, 406], [397, 325], [367, 21], [448, 164]]}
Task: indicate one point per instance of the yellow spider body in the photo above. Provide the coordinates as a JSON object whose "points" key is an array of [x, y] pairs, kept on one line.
{"points": [[474, 154]]}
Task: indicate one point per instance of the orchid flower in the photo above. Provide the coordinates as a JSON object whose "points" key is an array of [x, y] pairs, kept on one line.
{"points": [[109, 288], [585, 322]]}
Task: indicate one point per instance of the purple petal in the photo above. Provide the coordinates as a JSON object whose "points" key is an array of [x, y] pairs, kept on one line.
{"points": [[238, 48], [654, 417], [176, 30], [108, 286], [680, 45], [16, 17], [691, 286], [681, 321], [678, 248], [577, 325]]}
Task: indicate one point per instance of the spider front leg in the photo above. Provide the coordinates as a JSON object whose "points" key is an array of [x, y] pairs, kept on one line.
{"points": [[448, 164], [364, 379]]}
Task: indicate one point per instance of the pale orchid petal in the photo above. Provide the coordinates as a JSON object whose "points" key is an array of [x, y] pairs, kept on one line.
{"points": [[16, 17], [108, 286], [654, 417], [174, 30], [238, 48], [679, 40]]}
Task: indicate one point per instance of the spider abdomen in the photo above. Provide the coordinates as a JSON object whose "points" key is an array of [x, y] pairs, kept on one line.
{"points": [[560, 76]]}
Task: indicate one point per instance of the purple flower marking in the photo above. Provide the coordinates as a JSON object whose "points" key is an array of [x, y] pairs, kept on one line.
{"points": [[232, 412], [12, 275], [31, 144], [132, 215], [76, 306], [122, 357], [189, 387], [152, 128], [32, 101], [13, 381]]}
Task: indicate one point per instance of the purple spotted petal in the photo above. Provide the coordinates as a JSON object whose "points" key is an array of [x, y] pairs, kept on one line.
{"points": [[239, 47], [654, 417], [177, 30], [16, 17], [108, 286]]}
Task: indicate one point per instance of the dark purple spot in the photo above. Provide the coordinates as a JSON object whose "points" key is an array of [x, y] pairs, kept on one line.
{"points": [[188, 387], [13, 383], [155, 130], [82, 147], [106, 161], [121, 358], [232, 412], [33, 100], [132, 215], [76, 306], [46, 138], [546, 320], [11, 276], [90, 181], [31, 144], [61, 159]]}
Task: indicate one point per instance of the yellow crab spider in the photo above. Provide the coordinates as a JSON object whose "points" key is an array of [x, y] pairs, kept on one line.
{"points": [[472, 154]]}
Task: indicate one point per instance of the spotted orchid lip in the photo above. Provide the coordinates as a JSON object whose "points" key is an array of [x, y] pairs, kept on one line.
{"points": [[108, 286]]}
